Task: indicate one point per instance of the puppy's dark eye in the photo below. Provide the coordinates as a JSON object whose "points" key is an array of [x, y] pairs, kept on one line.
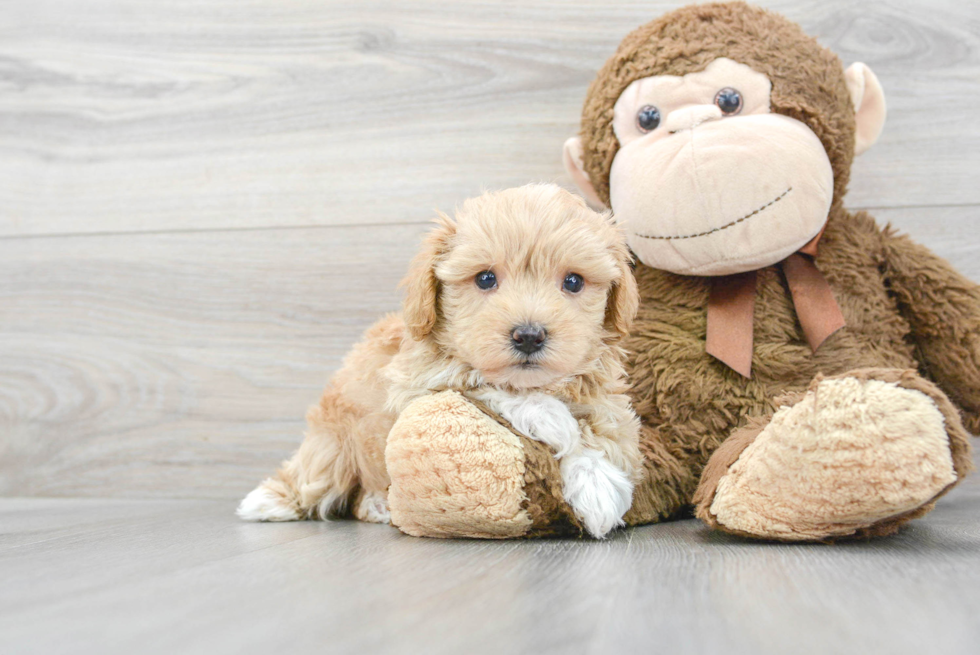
{"points": [[729, 101], [648, 118], [486, 280], [573, 283]]}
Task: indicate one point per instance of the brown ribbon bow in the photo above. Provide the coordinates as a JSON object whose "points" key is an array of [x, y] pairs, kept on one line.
{"points": [[732, 301]]}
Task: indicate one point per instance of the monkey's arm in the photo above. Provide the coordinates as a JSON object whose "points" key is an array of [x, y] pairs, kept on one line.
{"points": [[943, 308]]}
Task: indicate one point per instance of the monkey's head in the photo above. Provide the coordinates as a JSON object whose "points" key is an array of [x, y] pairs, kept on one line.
{"points": [[722, 138]]}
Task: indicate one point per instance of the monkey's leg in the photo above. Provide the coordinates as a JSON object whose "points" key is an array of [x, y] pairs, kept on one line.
{"points": [[457, 472], [669, 478], [856, 455]]}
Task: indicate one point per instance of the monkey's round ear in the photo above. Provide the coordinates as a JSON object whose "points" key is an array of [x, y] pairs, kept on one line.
{"points": [[869, 105], [576, 169]]}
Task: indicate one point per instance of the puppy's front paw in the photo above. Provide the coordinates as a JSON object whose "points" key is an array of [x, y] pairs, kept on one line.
{"points": [[373, 508], [542, 418], [599, 492]]}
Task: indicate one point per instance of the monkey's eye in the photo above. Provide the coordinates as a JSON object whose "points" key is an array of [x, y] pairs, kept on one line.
{"points": [[648, 118], [729, 101], [486, 280], [573, 283]]}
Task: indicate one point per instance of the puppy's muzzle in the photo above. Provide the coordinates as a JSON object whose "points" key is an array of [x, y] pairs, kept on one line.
{"points": [[529, 339]]}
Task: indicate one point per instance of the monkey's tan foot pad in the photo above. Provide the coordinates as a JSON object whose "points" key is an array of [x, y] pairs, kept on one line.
{"points": [[457, 472], [857, 455]]}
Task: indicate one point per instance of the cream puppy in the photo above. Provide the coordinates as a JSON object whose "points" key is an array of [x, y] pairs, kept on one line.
{"points": [[517, 303]]}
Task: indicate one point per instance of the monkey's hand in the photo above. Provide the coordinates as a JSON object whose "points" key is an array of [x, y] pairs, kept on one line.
{"points": [[943, 310]]}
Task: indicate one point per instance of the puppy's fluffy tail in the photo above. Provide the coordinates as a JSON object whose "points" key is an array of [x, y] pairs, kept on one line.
{"points": [[316, 483]]}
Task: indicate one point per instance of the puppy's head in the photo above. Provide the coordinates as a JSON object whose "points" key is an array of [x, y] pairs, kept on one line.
{"points": [[526, 285]]}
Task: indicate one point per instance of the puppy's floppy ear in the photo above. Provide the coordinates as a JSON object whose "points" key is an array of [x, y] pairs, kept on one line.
{"points": [[421, 284], [624, 297]]}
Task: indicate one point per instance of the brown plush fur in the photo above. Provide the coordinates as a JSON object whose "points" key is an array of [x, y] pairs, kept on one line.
{"points": [[905, 308], [690, 403]]}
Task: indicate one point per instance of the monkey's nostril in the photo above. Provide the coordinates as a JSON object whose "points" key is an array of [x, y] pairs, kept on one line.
{"points": [[529, 338]]}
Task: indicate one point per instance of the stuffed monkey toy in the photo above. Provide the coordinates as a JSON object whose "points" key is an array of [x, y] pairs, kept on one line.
{"points": [[801, 373]]}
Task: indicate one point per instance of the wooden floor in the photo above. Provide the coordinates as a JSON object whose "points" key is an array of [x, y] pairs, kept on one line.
{"points": [[183, 576], [202, 205]]}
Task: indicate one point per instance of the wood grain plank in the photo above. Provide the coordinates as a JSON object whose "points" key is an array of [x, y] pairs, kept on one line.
{"points": [[134, 364], [188, 577], [180, 365], [120, 115]]}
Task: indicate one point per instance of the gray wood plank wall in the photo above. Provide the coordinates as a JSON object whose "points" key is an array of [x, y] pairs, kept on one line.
{"points": [[203, 202]]}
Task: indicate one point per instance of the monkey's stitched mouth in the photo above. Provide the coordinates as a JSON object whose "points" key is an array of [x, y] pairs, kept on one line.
{"points": [[723, 227]]}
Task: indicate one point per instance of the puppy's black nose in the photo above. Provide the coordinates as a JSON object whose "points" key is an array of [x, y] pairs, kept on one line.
{"points": [[529, 338]]}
